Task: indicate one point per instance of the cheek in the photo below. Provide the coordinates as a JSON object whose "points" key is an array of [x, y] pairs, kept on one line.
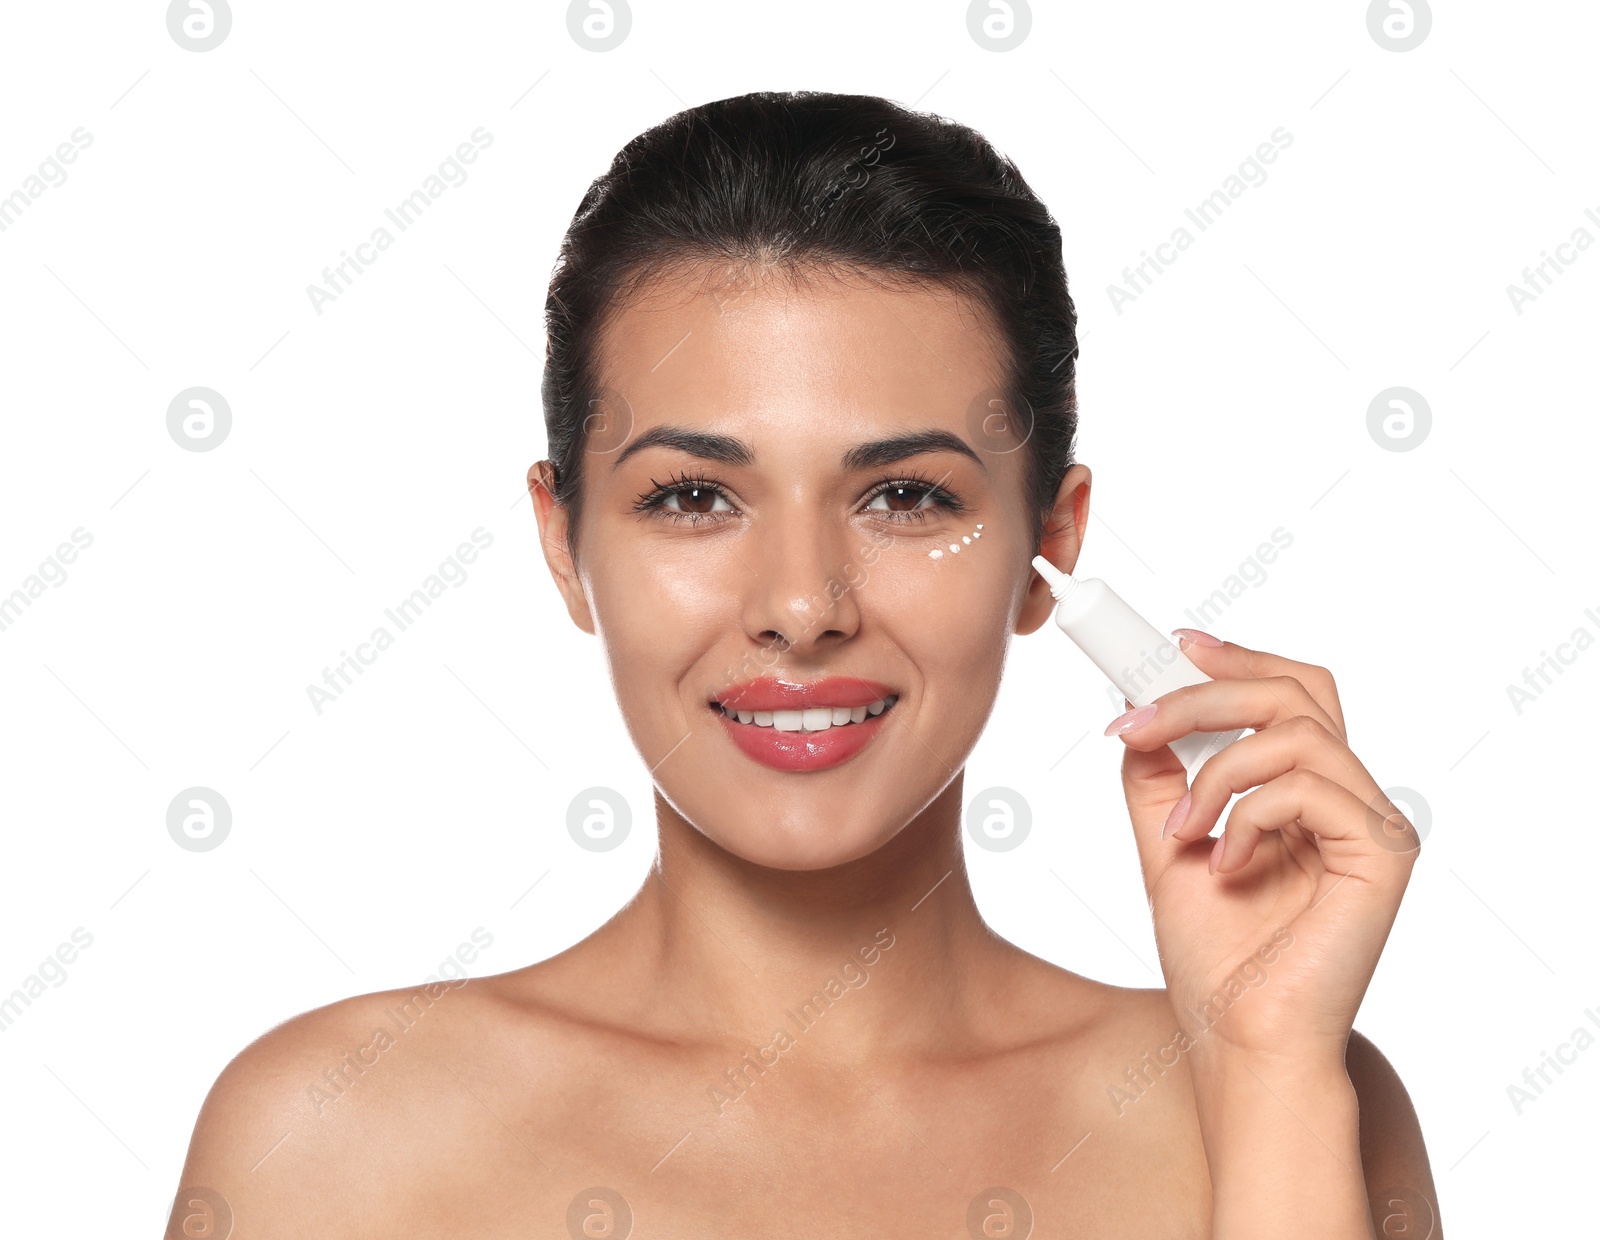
{"points": [[655, 618], [963, 541], [672, 586], [951, 615], [685, 589], [964, 571]]}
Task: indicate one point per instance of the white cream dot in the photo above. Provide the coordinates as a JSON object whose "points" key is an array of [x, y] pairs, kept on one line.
{"points": [[955, 547], [935, 554], [979, 525], [966, 540]]}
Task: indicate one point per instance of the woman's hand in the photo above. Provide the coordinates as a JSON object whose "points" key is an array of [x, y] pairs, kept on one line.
{"points": [[1304, 881]]}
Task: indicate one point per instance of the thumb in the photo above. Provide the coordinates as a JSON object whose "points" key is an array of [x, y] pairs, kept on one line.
{"points": [[1153, 781], [1147, 775]]}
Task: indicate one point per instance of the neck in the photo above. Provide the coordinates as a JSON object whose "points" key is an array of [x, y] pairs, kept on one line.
{"points": [[883, 954]]}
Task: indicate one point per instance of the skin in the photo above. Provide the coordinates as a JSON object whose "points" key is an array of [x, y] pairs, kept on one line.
{"points": [[961, 1062]]}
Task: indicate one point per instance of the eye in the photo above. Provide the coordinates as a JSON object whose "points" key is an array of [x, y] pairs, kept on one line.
{"points": [[696, 500], [919, 496]]}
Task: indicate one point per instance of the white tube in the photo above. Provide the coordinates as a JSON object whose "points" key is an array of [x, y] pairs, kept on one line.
{"points": [[1126, 647]]}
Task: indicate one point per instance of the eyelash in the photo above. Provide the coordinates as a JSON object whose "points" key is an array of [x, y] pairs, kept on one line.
{"points": [[652, 504]]}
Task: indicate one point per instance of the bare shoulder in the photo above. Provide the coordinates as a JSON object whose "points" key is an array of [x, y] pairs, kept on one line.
{"points": [[1121, 1048], [1394, 1157], [1102, 1022], [322, 1124], [1137, 1058], [1123, 1102]]}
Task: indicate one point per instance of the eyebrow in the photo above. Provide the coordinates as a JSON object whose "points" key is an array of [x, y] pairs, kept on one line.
{"points": [[729, 450]]}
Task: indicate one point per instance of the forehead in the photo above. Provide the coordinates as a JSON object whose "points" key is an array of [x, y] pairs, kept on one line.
{"points": [[781, 348]]}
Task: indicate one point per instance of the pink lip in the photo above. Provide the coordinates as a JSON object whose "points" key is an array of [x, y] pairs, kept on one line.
{"points": [[772, 693], [803, 751]]}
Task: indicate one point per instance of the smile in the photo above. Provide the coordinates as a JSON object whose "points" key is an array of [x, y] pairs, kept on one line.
{"points": [[811, 720], [803, 727]]}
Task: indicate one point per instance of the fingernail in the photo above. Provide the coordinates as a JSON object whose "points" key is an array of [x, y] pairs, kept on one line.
{"points": [[1180, 811], [1132, 719], [1196, 636], [1216, 852]]}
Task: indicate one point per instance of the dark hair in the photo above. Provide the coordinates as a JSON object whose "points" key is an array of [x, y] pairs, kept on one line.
{"points": [[773, 178]]}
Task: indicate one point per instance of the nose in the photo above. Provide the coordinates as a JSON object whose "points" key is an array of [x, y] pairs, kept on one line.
{"points": [[802, 591]]}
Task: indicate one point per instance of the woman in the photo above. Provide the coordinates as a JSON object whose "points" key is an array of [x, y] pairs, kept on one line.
{"points": [[810, 401]]}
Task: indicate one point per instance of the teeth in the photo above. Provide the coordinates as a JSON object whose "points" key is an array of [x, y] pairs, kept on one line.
{"points": [[815, 719]]}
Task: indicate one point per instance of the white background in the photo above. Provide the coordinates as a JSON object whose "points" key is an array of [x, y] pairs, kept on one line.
{"points": [[367, 442]]}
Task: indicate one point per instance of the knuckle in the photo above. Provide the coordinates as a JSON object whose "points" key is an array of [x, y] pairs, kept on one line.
{"points": [[1300, 686], [1220, 776], [1310, 725], [1306, 781], [1202, 786]]}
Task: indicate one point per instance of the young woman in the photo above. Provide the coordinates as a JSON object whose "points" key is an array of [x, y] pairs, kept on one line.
{"points": [[810, 401]]}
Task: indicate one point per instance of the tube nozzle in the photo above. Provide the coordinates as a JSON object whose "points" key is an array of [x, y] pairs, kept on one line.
{"points": [[1060, 582]]}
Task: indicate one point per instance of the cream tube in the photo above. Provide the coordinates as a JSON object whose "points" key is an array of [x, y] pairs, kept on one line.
{"points": [[1127, 648]]}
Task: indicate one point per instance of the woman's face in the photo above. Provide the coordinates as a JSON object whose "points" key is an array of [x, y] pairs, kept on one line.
{"points": [[798, 498]]}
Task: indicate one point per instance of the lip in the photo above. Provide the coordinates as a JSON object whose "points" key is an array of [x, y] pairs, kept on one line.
{"points": [[774, 693], [803, 751]]}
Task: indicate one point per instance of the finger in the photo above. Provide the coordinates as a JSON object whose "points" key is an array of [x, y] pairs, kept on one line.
{"points": [[1220, 706], [1298, 743], [1303, 801], [1242, 663]]}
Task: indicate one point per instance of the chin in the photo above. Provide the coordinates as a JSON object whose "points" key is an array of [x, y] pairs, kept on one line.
{"points": [[799, 845]]}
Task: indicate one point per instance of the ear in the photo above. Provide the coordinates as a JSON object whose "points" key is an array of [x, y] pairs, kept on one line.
{"points": [[1061, 543], [553, 521]]}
